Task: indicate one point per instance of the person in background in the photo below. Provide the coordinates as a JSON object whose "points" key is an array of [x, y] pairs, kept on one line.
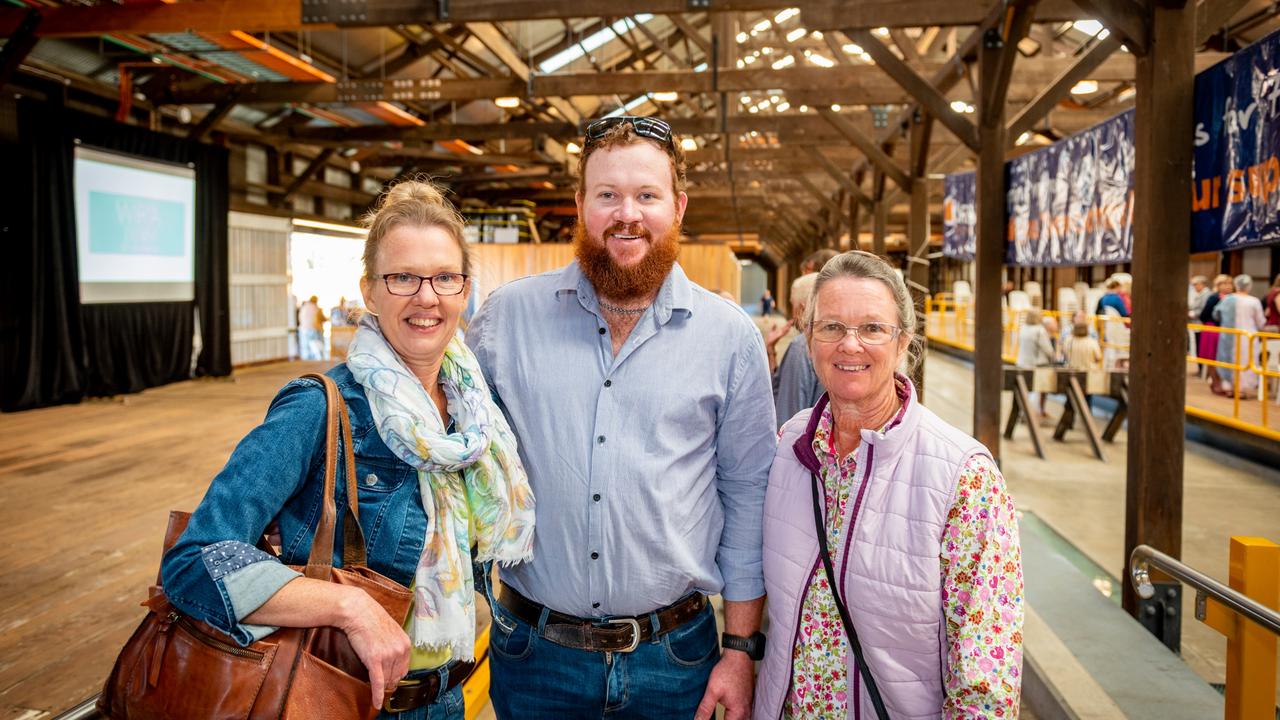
{"points": [[438, 473], [1081, 351], [922, 533], [795, 384], [1271, 306], [1208, 341], [645, 419], [1112, 300], [1035, 349], [816, 259], [1197, 295], [1241, 311], [338, 314], [767, 303], [311, 330]]}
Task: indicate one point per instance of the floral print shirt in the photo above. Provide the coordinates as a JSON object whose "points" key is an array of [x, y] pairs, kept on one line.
{"points": [[981, 594]]}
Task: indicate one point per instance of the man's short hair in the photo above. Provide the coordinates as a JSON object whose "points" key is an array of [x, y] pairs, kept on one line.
{"points": [[624, 134]]}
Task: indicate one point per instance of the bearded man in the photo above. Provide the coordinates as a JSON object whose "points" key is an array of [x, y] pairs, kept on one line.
{"points": [[645, 416]]}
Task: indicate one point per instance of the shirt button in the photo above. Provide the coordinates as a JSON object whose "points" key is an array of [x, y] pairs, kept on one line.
{"points": [[596, 497], [370, 479], [595, 556], [600, 439], [595, 605], [601, 331], [608, 383]]}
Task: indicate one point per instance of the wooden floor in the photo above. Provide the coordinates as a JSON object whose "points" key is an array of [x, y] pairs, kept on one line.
{"points": [[84, 494]]}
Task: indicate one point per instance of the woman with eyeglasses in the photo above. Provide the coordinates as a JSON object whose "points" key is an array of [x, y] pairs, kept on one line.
{"points": [[891, 556], [437, 474]]}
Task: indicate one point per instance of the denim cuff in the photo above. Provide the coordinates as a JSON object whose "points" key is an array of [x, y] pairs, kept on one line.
{"points": [[248, 588]]}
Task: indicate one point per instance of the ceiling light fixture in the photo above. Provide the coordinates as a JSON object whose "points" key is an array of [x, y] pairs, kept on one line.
{"points": [[507, 102]]}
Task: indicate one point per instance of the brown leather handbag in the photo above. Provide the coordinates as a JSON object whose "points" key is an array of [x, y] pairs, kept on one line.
{"points": [[175, 666]]}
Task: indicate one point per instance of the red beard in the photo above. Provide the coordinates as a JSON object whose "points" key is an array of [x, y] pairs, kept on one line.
{"points": [[624, 284]]}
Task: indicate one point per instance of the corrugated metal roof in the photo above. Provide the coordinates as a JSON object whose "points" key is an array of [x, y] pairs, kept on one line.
{"points": [[234, 61], [185, 42]]}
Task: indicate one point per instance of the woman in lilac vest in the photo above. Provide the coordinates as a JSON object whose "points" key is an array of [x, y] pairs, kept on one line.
{"points": [[921, 532]]}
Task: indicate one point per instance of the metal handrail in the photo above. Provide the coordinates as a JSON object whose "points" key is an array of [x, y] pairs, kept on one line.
{"points": [[1145, 555], [84, 711]]}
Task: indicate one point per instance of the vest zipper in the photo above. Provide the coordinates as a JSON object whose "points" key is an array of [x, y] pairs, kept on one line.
{"points": [[817, 561], [856, 696]]}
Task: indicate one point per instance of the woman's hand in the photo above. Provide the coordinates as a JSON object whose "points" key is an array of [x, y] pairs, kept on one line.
{"points": [[378, 640]]}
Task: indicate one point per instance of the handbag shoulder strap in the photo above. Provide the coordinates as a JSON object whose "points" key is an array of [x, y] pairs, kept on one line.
{"points": [[863, 670], [320, 562]]}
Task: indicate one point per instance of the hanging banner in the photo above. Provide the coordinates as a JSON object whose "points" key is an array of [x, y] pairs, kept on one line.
{"points": [[1236, 186], [959, 216], [1072, 202]]}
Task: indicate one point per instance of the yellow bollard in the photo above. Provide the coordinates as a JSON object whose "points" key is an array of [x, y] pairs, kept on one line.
{"points": [[1251, 649]]}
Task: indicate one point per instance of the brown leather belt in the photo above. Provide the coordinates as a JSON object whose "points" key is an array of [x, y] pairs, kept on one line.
{"points": [[415, 692], [612, 635]]}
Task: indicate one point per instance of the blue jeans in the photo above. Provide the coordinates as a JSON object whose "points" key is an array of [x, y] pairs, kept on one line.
{"points": [[448, 707], [534, 679]]}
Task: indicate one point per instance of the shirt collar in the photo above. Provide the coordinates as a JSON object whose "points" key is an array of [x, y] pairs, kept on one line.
{"points": [[675, 295]]}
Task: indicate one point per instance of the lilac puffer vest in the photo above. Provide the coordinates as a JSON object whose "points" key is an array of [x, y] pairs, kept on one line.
{"points": [[888, 565]]}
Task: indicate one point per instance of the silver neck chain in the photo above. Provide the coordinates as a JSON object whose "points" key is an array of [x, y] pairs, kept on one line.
{"points": [[621, 310]]}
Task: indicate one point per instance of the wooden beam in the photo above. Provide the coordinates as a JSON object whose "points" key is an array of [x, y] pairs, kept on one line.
{"points": [[909, 52], [1048, 98], [840, 176], [214, 16], [691, 32], [917, 270], [873, 152], [988, 366], [312, 168], [19, 45], [211, 119], [492, 38], [1016, 25], [828, 15], [924, 92], [1212, 15], [822, 197], [1125, 17], [1164, 119]]}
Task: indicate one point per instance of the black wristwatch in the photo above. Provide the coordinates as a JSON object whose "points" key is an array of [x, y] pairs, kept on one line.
{"points": [[753, 646]]}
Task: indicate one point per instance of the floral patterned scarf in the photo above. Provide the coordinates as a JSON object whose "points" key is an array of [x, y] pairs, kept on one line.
{"points": [[474, 488]]}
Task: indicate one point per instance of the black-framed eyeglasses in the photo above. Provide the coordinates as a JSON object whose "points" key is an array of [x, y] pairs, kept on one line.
{"points": [[871, 333], [406, 284], [649, 127]]}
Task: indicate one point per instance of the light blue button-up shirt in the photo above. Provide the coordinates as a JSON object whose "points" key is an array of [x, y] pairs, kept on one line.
{"points": [[649, 468]]}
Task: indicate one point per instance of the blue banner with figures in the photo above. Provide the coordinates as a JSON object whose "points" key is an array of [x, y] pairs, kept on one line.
{"points": [[1071, 203], [959, 216], [1235, 200]]}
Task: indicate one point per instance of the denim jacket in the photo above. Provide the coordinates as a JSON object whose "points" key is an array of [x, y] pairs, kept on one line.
{"points": [[216, 574]]}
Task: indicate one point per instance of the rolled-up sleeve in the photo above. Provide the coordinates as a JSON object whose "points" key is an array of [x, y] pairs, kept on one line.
{"points": [[214, 572], [745, 439]]}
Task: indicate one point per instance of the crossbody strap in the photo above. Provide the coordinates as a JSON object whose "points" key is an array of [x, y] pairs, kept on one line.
{"points": [[821, 527]]}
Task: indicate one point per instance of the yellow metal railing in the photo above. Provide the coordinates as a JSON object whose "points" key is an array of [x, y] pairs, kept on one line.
{"points": [[950, 323], [1244, 612]]}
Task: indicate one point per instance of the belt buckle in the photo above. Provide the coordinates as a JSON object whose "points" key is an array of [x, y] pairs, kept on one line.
{"points": [[389, 706], [635, 633]]}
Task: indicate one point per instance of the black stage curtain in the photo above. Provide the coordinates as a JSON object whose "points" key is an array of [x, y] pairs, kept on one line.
{"points": [[54, 349]]}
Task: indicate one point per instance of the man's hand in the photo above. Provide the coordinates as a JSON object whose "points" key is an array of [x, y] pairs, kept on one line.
{"points": [[732, 684]]}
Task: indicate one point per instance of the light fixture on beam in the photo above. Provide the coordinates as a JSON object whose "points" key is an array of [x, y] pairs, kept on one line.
{"points": [[1085, 87], [787, 61], [507, 102], [666, 96], [796, 34], [572, 148], [688, 144]]}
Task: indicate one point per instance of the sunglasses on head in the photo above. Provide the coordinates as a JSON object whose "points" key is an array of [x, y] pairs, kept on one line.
{"points": [[648, 127]]}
